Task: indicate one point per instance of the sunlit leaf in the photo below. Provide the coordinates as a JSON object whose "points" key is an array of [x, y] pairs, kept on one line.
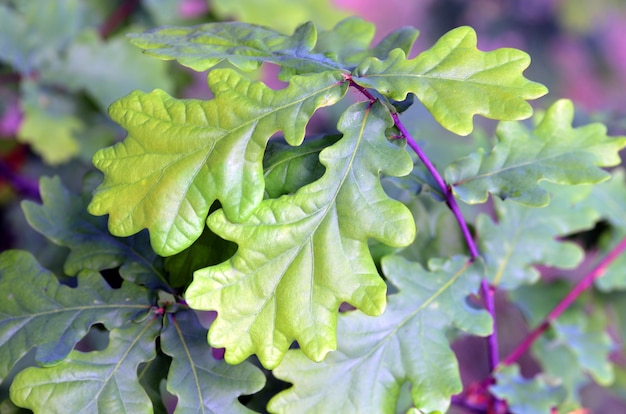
{"points": [[376, 356], [455, 80], [300, 256], [182, 155]]}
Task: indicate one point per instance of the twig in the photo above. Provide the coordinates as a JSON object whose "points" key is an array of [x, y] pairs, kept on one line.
{"points": [[486, 290], [582, 286]]}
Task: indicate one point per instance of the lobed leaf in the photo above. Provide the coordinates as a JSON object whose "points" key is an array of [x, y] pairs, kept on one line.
{"points": [[182, 155], [526, 396], [455, 80], [300, 256], [201, 383], [93, 382], [553, 151], [376, 356], [526, 236], [37, 311], [244, 45], [63, 219]]}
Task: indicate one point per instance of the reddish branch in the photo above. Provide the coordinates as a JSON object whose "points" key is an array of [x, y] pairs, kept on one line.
{"points": [[486, 290], [582, 286]]}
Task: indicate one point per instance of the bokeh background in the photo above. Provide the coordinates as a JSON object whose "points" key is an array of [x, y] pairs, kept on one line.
{"points": [[63, 61]]}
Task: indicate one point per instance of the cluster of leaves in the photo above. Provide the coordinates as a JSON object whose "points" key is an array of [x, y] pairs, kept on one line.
{"points": [[277, 235]]}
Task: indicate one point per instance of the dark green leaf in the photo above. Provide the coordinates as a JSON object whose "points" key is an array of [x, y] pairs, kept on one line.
{"points": [[208, 250], [244, 45], [37, 311], [64, 220], [93, 382], [201, 383], [288, 168]]}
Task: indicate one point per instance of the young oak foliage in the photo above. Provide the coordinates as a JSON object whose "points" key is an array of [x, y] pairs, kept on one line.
{"points": [[554, 151], [272, 293], [375, 356], [455, 80], [182, 155]]}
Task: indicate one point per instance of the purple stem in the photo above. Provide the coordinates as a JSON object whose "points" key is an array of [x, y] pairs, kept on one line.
{"points": [[486, 290], [582, 286]]}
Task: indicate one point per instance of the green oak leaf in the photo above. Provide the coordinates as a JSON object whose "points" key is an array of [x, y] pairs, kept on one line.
{"points": [[553, 151], [288, 168], [244, 45], [349, 41], [37, 311], [408, 343], [455, 81], [300, 256], [526, 236], [182, 155], [64, 220], [106, 70], [201, 383], [93, 382], [527, 396]]}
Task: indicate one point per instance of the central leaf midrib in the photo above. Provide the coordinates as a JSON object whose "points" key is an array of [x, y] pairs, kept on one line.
{"points": [[325, 211]]}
